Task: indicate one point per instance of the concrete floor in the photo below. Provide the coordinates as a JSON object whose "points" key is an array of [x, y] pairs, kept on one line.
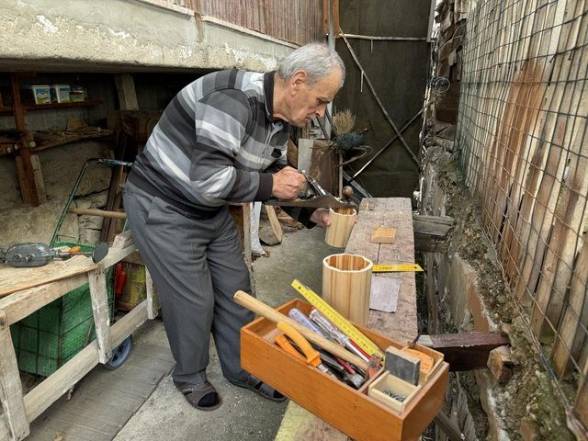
{"points": [[243, 415], [165, 415]]}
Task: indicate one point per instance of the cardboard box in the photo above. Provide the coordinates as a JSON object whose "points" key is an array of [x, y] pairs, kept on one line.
{"points": [[351, 411]]}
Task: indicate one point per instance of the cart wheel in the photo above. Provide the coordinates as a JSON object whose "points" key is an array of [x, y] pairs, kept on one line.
{"points": [[120, 354]]}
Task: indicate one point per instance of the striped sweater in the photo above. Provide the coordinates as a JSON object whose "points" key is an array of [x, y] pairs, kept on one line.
{"points": [[216, 142]]}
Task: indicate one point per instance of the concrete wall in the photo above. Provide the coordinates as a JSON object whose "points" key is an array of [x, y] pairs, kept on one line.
{"points": [[123, 35]]}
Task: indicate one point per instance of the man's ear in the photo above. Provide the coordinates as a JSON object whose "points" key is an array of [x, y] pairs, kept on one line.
{"points": [[299, 78]]}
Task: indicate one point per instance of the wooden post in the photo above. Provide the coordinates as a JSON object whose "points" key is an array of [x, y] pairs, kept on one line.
{"points": [[274, 222], [101, 310], [11, 387], [346, 285], [342, 222], [127, 96], [31, 194]]}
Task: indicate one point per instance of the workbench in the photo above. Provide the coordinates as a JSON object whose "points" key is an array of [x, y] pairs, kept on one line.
{"points": [[24, 291], [298, 424]]}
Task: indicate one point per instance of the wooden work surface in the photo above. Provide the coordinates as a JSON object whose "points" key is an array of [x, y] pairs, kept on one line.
{"points": [[298, 424], [17, 279]]}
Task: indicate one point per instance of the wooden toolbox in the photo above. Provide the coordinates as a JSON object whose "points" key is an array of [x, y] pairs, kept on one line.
{"points": [[352, 411]]}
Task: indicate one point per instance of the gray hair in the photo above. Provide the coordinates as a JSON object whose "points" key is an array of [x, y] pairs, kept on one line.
{"points": [[316, 59]]}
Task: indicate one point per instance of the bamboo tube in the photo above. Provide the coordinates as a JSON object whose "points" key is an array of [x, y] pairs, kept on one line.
{"points": [[260, 308], [342, 222], [346, 285]]}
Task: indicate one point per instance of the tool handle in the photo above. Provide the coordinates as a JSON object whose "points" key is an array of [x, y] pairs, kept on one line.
{"points": [[313, 358], [282, 342], [260, 308]]}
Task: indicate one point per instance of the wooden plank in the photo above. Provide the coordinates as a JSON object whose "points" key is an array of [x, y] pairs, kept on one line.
{"points": [[54, 386], [101, 311], [464, 351], [395, 212], [11, 387], [571, 336], [23, 303], [274, 222], [17, 279]]}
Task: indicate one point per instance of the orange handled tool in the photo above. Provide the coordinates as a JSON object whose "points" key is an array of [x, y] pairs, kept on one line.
{"points": [[311, 355]]}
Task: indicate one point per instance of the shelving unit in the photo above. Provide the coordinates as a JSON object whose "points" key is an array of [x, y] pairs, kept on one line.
{"points": [[51, 106]]}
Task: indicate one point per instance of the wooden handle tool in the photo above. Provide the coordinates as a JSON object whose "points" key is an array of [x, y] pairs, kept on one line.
{"points": [[260, 308]]}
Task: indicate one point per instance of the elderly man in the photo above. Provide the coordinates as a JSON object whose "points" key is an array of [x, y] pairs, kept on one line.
{"points": [[221, 139]]}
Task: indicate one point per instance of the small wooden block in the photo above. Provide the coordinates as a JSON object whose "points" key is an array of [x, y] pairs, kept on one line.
{"points": [[402, 365], [500, 364], [383, 235]]}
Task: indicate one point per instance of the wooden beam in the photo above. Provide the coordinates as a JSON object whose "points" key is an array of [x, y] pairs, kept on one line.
{"points": [[11, 388], [464, 351]]}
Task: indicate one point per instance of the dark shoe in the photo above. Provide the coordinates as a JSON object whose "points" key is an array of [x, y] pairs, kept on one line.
{"points": [[259, 387], [201, 396]]}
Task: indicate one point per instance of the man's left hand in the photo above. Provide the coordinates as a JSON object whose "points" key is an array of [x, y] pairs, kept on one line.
{"points": [[321, 216]]}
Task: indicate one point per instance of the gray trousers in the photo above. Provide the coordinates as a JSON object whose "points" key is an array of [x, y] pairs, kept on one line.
{"points": [[196, 266]]}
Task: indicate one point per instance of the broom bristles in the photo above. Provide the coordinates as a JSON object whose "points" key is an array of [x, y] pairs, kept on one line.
{"points": [[343, 121]]}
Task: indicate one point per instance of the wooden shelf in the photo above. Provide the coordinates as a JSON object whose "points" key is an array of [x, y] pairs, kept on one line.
{"points": [[51, 106], [69, 138]]}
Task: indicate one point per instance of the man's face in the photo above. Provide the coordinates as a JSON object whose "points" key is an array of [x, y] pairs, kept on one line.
{"points": [[308, 100]]}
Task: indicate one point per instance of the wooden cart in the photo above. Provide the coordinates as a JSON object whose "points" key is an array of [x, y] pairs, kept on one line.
{"points": [[24, 291]]}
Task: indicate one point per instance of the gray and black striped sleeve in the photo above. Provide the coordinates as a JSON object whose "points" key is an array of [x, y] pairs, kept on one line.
{"points": [[221, 120]]}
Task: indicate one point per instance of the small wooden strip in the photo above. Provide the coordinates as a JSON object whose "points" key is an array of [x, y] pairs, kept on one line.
{"points": [[383, 235], [101, 311], [11, 388]]}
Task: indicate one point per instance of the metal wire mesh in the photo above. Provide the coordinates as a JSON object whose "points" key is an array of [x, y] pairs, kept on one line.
{"points": [[523, 147]]}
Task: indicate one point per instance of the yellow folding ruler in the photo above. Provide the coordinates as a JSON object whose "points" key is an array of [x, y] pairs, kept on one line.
{"points": [[396, 268], [338, 320]]}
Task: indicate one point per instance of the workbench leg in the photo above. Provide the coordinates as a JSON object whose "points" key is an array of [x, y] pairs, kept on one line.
{"points": [[11, 388], [152, 303], [101, 310]]}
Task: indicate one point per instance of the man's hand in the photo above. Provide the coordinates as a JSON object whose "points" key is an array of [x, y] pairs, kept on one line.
{"points": [[321, 217], [288, 183]]}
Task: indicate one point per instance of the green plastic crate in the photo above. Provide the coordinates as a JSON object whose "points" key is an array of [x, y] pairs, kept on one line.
{"points": [[48, 338]]}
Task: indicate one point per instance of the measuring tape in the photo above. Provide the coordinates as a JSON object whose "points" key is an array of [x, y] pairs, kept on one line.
{"points": [[396, 268], [337, 319]]}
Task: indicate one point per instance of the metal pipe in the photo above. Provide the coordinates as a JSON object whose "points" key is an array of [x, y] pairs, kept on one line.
{"points": [[374, 37]]}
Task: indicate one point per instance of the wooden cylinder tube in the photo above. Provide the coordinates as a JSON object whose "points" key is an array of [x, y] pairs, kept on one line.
{"points": [[346, 285], [342, 222]]}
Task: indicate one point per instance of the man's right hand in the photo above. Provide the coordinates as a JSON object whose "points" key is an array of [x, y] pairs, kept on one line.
{"points": [[288, 183]]}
